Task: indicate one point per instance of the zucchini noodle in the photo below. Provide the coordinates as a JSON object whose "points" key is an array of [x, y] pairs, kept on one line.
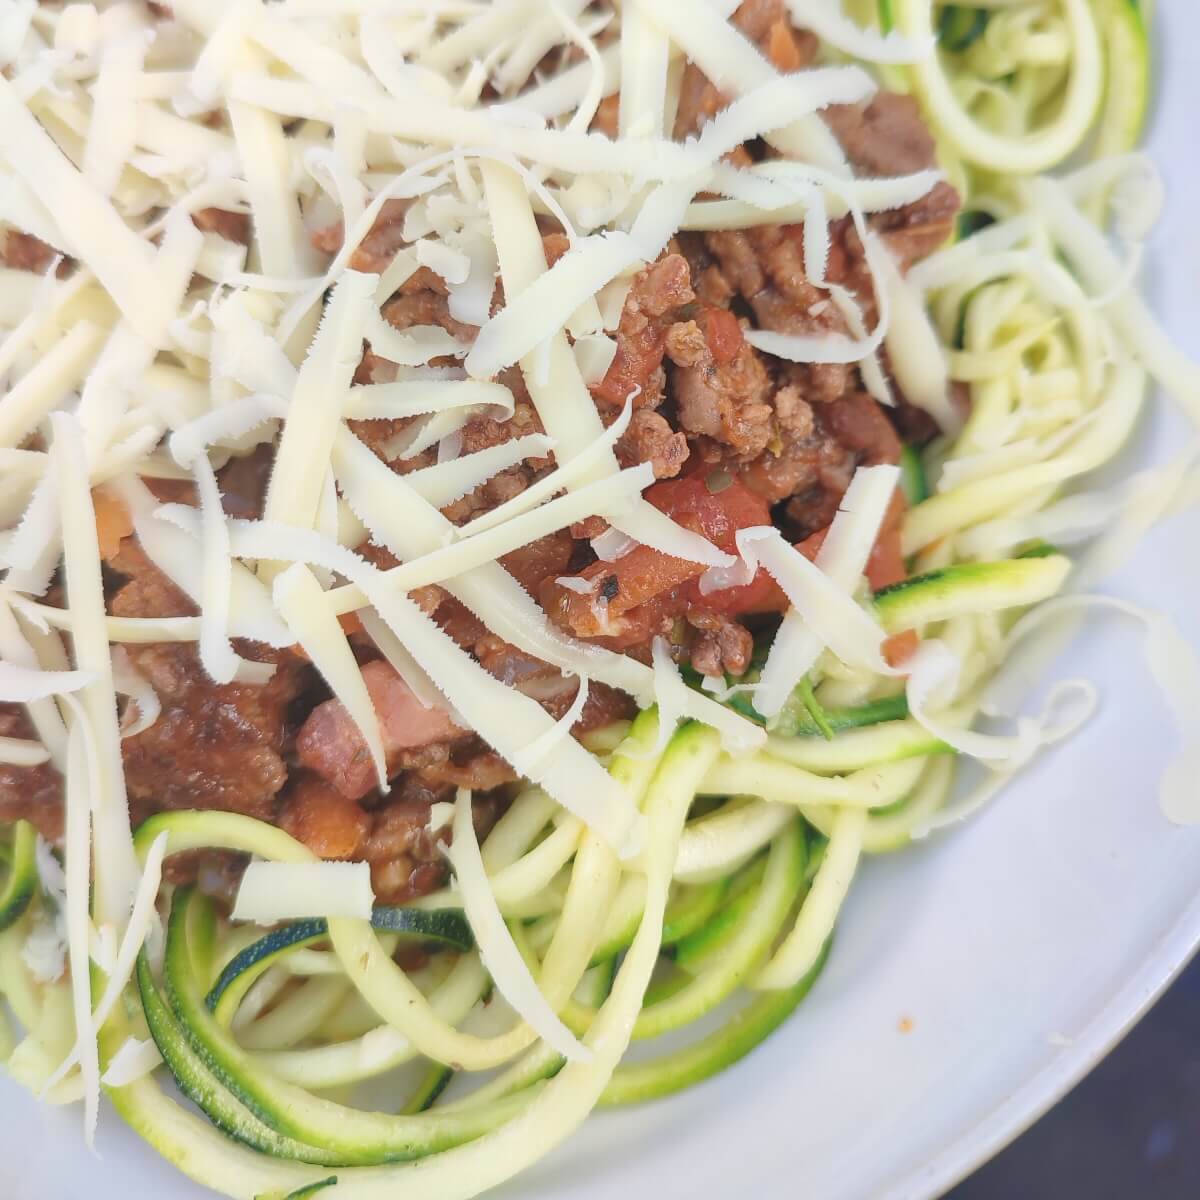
{"points": [[498, 1009]]}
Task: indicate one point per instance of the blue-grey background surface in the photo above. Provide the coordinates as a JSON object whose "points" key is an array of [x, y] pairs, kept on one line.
{"points": [[1130, 1130]]}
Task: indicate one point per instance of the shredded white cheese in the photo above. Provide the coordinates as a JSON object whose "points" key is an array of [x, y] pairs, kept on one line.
{"points": [[500, 954], [273, 891], [843, 558]]}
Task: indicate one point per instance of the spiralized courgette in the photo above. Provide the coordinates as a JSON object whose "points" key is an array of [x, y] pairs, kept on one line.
{"points": [[729, 909]]}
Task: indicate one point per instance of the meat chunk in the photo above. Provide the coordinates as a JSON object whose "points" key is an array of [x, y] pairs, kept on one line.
{"points": [[406, 859], [331, 745], [33, 794], [636, 371], [375, 252], [765, 266], [884, 135], [540, 559], [920, 228], [422, 301], [232, 226], [481, 432], [330, 824], [724, 646], [391, 833], [859, 424], [651, 439], [213, 746], [24, 252], [726, 401], [766, 23]]}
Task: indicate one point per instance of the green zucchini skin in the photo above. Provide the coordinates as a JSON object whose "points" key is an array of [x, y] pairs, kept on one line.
{"points": [[444, 926], [200, 1086], [245, 967], [433, 1083], [970, 587], [304, 1193], [959, 28], [22, 881], [796, 721], [747, 1029], [913, 481], [350, 1136]]}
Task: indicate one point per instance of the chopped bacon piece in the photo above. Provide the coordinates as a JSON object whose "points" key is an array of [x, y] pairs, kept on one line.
{"points": [[331, 745]]}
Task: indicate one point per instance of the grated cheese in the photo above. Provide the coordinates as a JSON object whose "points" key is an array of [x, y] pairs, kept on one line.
{"points": [[834, 617], [313, 412], [735, 65], [843, 558], [105, 787], [542, 308], [129, 682], [22, 752], [87, 224], [276, 891], [134, 1059], [497, 949], [169, 539], [44, 386], [112, 132], [21, 685], [445, 482], [835, 29]]}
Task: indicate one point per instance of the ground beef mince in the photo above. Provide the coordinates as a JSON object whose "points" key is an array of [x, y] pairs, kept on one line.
{"points": [[391, 832], [375, 252], [636, 372], [766, 23], [23, 252], [31, 794], [884, 135], [213, 745], [721, 386], [736, 438], [650, 439]]}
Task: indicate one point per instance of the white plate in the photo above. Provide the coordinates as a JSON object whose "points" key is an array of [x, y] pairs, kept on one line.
{"points": [[1020, 947]]}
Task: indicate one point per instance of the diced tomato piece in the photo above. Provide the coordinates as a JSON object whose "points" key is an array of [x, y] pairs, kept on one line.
{"points": [[350, 622], [900, 647], [717, 515], [722, 334], [811, 546], [113, 522], [622, 589], [761, 595], [886, 564]]}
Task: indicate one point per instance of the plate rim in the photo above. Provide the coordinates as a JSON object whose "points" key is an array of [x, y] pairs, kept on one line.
{"points": [[1115, 1019]]}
